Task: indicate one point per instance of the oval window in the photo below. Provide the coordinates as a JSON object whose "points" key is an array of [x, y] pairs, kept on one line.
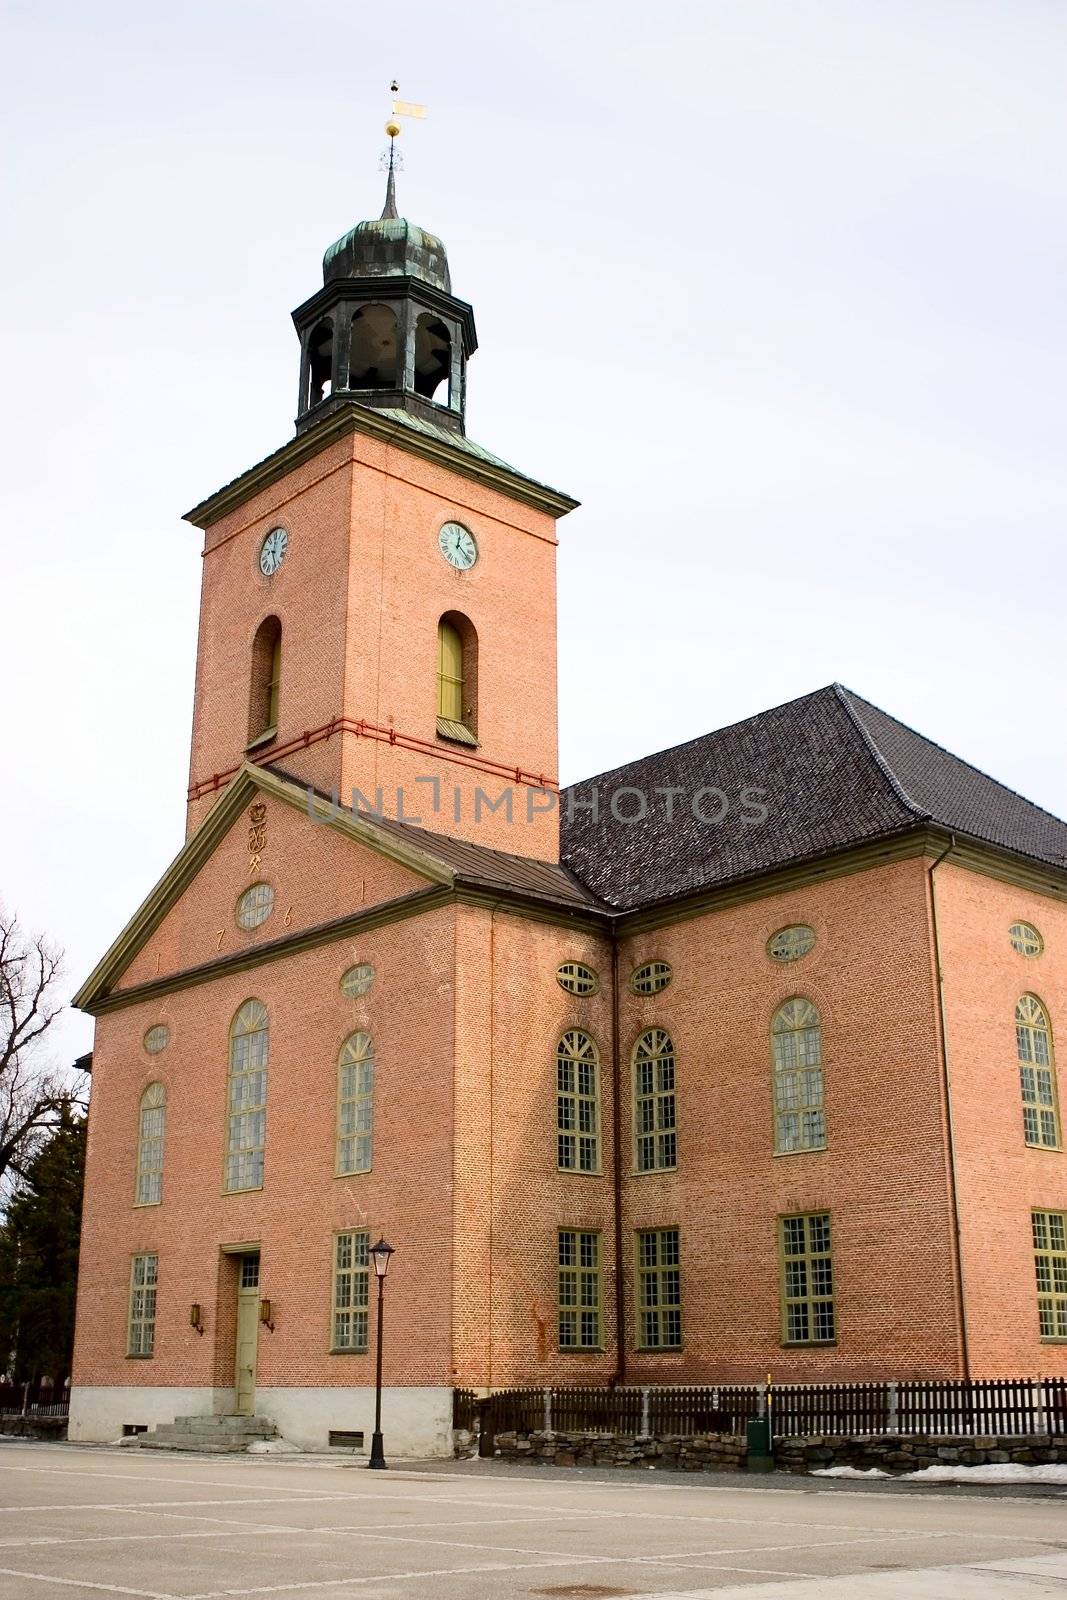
{"points": [[254, 906], [157, 1038], [577, 978], [357, 980], [1025, 939], [789, 944], [651, 978]]}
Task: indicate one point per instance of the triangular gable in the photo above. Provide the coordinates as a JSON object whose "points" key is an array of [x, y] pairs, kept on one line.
{"points": [[321, 861]]}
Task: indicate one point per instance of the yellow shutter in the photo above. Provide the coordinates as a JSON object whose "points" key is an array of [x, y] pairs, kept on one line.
{"points": [[449, 673]]}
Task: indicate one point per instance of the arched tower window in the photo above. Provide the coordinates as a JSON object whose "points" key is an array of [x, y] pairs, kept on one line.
{"points": [[355, 1104], [433, 356], [796, 1045], [247, 1098], [457, 679], [577, 1103], [1037, 1074], [150, 1131], [266, 685], [372, 363], [320, 361], [655, 1111]]}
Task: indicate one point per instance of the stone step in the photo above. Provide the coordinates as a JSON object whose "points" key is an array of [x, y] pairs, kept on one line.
{"points": [[208, 1435]]}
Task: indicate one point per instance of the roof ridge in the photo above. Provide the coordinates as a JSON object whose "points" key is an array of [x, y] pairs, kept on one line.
{"points": [[845, 695], [960, 760], [698, 738]]}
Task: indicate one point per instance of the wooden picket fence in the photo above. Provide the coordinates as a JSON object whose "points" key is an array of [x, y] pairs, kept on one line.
{"points": [[1001, 1407]]}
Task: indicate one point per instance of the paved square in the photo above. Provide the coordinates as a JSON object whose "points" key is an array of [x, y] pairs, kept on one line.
{"points": [[80, 1521]]}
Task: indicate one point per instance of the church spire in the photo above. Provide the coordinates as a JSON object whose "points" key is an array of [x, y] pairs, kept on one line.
{"points": [[389, 211]]}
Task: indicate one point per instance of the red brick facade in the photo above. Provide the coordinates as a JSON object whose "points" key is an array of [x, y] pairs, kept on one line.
{"points": [[465, 1012]]}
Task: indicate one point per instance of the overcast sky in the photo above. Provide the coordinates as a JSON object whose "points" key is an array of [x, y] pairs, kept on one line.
{"points": [[774, 287]]}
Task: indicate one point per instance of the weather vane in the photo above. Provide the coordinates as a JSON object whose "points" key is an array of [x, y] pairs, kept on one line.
{"points": [[391, 160]]}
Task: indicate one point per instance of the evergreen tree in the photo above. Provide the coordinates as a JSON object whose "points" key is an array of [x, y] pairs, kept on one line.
{"points": [[39, 1257]]}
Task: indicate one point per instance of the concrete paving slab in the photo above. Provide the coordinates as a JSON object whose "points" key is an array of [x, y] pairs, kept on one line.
{"points": [[89, 1522]]}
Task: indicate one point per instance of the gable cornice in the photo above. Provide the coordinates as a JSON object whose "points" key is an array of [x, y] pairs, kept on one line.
{"points": [[354, 418], [247, 781]]}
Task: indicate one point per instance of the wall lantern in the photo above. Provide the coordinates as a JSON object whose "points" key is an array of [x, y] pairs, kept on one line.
{"points": [[266, 1315], [196, 1319]]}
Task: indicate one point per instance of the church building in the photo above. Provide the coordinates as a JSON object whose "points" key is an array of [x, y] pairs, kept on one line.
{"points": [[738, 1059]]}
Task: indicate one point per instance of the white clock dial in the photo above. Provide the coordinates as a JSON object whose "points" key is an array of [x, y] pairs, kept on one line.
{"points": [[457, 545], [272, 551]]}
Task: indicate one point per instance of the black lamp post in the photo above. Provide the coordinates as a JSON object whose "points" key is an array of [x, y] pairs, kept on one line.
{"points": [[380, 1254]]}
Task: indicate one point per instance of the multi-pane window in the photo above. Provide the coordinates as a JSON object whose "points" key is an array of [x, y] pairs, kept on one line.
{"points": [[796, 1044], [254, 906], [579, 1290], [1050, 1262], [577, 978], [1025, 939], [357, 980], [157, 1038], [141, 1332], [247, 1111], [351, 1285], [807, 1279], [659, 1290], [651, 977], [1037, 1074], [355, 1104], [577, 1103], [150, 1132], [655, 1112]]}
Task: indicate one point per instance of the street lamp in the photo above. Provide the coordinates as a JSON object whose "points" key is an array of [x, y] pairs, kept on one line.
{"points": [[380, 1254]]}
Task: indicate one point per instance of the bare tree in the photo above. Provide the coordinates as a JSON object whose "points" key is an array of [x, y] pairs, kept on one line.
{"points": [[34, 1094]]}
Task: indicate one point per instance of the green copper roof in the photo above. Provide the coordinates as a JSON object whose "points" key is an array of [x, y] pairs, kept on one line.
{"points": [[387, 248]]}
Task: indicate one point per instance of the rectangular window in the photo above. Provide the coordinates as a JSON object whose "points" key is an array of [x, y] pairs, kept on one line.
{"points": [[577, 1114], [247, 1128], [141, 1333], [1050, 1263], [579, 1290], [807, 1279], [655, 1112], [351, 1287], [659, 1290]]}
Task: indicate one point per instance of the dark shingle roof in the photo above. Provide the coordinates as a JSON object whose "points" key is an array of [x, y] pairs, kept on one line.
{"points": [[834, 771]]}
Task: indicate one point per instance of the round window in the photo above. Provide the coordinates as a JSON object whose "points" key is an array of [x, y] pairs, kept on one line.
{"points": [[357, 980], [157, 1038], [577, 978], [254, 906], [651, 978], [1025, 939], [789, 944]]}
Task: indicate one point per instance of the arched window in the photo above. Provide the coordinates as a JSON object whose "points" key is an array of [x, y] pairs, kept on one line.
{"points": [[266, 687], [457, 679], [150, 1132], [247, 1105], [355, 1104], [577, 1103], [372, 363], [320, 362], [796, 1043], [1037, 1074], [655, 1113], [433, 356]]}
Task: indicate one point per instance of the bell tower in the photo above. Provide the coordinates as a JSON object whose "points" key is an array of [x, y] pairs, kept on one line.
{"points": [[385, 328], [378, 612]]}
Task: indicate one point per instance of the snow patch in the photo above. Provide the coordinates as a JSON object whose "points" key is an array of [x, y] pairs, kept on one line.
{"points": [[1000, 1472]]}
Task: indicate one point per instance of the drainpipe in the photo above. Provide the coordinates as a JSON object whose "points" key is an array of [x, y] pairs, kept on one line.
{"points": [[946, 1093], [616, 1167]]}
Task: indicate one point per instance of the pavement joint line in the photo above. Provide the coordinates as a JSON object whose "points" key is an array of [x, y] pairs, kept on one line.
{"points": [[235, 1530], [570, 1512], [86, 1583]]}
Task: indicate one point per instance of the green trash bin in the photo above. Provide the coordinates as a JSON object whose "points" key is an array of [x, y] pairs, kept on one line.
{"points": [[758, 1440]]}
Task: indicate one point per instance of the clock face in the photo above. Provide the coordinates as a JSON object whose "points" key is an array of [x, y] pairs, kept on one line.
{"points": [[272, 551], [457, 546]]}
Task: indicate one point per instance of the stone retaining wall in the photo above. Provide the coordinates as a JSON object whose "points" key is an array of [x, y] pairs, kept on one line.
{"points": [[725, 1453], [905, 1454]]}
